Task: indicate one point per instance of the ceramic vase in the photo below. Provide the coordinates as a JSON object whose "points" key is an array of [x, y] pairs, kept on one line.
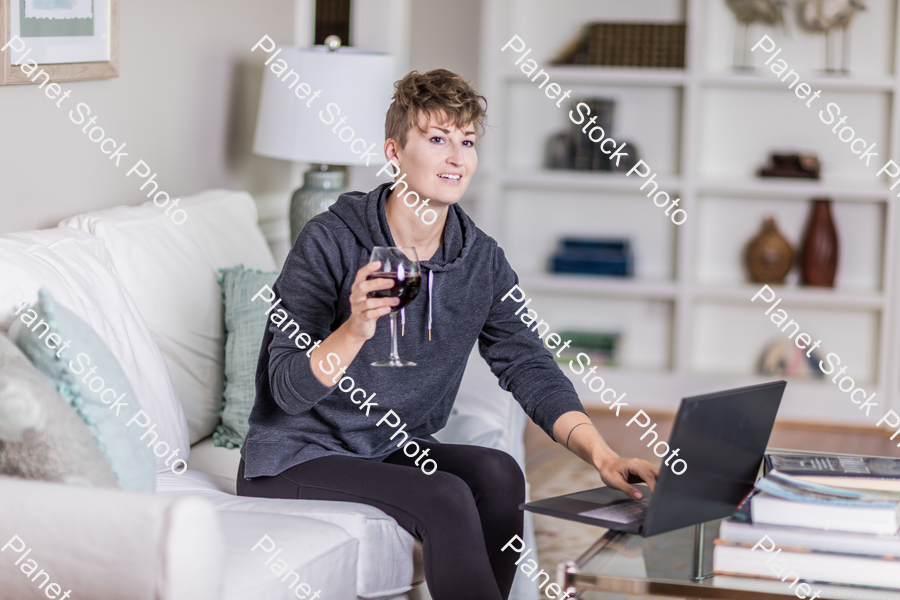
{"points": [[769, 255], [819, 254]]}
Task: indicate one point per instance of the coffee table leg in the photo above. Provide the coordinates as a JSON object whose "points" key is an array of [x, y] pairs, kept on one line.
{"points": [[567, 572], [699, 543], [565, 577]]}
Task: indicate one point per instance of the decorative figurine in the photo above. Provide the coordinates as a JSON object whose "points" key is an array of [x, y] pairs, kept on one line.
{"points": [[803, 166], [770, 12], [825, 15], [782, 358], [769, 255]]}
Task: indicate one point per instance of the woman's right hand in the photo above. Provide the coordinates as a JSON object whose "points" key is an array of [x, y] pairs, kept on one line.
{"points": [[365, 311]]}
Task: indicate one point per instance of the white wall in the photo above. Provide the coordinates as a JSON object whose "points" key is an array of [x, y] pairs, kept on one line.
{"points": [[185, 102], [446, 35]]}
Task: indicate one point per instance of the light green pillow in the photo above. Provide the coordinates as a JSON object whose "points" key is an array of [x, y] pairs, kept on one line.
{"points": [[245, 324], [130, 459], [41, 437]]}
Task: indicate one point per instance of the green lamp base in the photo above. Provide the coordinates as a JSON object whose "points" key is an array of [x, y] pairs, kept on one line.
{"points": [[320, 190]]}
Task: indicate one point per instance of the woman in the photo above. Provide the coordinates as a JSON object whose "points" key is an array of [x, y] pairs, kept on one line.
{"points": [[310, 439]]}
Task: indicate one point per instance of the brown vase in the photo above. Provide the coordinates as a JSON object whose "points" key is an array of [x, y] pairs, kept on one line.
{"points": [[769, 255], [819, 254]]}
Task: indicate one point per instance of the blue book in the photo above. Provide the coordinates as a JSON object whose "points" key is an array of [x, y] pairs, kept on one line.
{"points": [[593, 257], [791, 488], [618, 245]]}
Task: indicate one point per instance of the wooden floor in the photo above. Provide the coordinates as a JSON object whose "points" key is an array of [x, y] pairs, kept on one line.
{"points": [[553, 471]]}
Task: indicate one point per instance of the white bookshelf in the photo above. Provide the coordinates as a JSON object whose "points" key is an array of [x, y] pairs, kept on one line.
{"points": [[572, 181], [687, 321], [582, 75]]}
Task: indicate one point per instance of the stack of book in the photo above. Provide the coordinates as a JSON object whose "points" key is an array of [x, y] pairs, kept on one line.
{"points": [[845, 532], [593, 256], [601, 347]]}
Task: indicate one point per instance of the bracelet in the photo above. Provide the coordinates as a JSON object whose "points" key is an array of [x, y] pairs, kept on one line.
{"points": [[570, 434]]}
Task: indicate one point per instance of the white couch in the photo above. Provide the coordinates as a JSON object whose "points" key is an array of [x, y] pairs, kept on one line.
{"points": [[148, 287]]}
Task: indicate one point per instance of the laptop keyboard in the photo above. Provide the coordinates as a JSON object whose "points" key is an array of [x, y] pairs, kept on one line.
{"points": [[625, 512]]}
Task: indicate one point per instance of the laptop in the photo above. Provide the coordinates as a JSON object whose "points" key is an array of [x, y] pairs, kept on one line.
{"points": [[722, 437]]}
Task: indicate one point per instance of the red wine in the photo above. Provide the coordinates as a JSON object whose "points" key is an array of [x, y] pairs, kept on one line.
{"points": [[406, 289]]}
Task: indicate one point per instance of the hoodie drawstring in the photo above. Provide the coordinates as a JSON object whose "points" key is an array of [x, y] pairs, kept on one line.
{"points": [[430, 290], [403, 310]]}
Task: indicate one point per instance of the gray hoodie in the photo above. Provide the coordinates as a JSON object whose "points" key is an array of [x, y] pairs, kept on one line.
{"points": [[295, 418]]}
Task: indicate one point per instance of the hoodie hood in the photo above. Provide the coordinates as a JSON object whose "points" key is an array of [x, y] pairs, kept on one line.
{"points": [[364, 215]]}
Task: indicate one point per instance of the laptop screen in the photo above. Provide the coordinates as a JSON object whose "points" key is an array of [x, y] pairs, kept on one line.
{"points": [[722, 437]]}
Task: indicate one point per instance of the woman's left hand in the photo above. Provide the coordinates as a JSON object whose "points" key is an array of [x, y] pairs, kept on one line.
{"points": [[614, 472]]}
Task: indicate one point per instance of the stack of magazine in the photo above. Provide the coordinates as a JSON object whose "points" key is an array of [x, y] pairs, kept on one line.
{"points": [[835, 520]]}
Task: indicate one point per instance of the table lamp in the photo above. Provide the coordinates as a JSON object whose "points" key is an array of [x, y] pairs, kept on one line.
{"points": [[296, 124]]}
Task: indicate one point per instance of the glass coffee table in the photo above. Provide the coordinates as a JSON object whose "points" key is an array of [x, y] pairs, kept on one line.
{"points": [[665, 565]]}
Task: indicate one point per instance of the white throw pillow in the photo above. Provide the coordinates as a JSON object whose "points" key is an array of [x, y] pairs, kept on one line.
{"points": [[75, 268], [171, 270]]}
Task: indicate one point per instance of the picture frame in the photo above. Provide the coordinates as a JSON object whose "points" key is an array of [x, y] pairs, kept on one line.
{"points": [[71, 40]]}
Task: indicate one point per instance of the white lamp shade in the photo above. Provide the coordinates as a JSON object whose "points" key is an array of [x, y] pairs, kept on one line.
{"points": [[354, 84]]}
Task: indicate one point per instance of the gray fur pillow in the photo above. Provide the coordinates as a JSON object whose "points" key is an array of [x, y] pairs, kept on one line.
{"points": [[41, 436]]}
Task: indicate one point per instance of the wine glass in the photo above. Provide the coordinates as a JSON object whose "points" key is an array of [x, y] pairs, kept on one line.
{"points": [[401, 265]]}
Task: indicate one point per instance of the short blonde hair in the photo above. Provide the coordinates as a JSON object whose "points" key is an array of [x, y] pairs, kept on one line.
{"points": [[440, 93]]}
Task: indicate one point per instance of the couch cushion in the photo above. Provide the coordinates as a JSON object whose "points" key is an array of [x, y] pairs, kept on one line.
{"points": [[170, 271], [93, 395], [208, 457], [322, 555], [75, 268], [41, 437], [390, 559]]}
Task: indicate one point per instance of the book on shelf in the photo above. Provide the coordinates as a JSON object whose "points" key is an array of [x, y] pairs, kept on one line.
{"points": [[784, 500], [627, 45], [601, 347], [593, 256], [586, 262], [861, 472], [630, 45]]}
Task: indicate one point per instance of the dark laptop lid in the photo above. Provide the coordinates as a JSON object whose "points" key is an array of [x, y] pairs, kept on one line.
{"points": [[722, 437]]}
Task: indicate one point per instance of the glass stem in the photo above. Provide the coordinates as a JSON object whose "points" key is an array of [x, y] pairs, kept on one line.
{"points": [[394, 355]]}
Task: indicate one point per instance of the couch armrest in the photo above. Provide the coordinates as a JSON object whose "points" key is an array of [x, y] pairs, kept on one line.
{"points": [[108, 544]]}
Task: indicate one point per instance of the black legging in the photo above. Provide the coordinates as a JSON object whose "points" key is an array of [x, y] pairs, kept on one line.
{"points": [[464, 512]]}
